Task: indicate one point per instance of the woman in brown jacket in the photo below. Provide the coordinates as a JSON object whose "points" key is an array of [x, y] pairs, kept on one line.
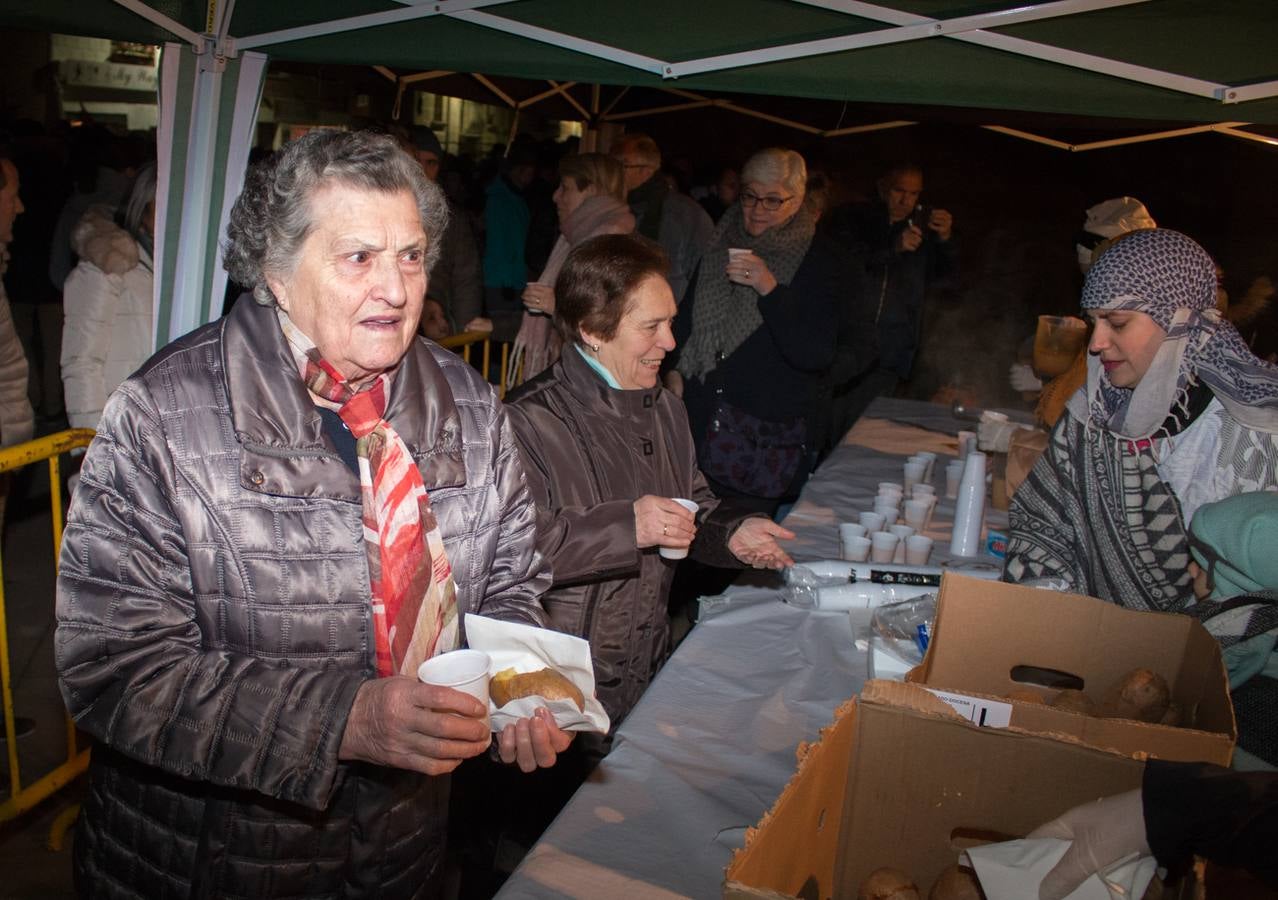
{"points": [[606, 449]]}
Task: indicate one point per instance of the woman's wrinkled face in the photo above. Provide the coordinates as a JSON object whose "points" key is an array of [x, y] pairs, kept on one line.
{"points": [[756, 196], [1126, 342], [358, 285], [568, 197], [643, 338]]}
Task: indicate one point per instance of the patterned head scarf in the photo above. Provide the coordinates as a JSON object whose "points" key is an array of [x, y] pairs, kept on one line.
{"points": [[1169, 277]]}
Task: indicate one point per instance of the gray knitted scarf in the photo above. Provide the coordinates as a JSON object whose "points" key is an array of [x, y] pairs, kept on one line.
{"points": [[725, 313]]}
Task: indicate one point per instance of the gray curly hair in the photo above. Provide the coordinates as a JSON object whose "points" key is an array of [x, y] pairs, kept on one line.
{"points": [[271, 218]]}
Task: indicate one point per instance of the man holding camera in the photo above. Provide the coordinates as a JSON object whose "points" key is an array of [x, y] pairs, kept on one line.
{"points": [[897, 246]]}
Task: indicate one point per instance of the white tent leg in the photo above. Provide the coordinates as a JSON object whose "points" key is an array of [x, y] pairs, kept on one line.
{"points": [[208, 109]]}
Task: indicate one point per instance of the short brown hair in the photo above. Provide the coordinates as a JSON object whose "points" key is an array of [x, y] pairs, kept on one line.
{"points": [[599, 169], [598, 279]]}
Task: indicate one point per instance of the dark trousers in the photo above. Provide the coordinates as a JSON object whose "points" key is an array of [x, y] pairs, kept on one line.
{"points": [[850, 402]]}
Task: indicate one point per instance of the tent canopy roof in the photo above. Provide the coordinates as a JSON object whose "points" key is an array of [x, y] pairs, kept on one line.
{"points": [[1204, 46]]}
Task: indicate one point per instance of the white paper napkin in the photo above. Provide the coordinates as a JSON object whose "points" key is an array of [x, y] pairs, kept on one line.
{"points": [[527, 649], [1013, 870]]}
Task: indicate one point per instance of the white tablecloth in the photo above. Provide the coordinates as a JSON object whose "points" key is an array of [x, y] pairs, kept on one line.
{"points": [[712, 743]]}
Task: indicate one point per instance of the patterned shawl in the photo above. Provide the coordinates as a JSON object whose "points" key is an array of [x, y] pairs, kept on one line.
{"points": [[414, 598], [727, 313], [1166, 275]]}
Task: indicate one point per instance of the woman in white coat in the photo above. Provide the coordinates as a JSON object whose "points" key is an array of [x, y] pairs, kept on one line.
{"points": [[108, 303]]}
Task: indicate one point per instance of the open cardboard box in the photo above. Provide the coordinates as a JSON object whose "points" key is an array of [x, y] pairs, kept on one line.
{"points": [[901, 780], [988, 633]]}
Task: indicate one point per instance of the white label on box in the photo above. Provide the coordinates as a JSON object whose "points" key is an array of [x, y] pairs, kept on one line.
{"points": [[977, 710]]}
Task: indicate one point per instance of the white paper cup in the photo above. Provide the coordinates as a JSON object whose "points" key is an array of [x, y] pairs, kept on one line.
{"points": [[883, 546], [902, 532], [851, 530], [890, 515], [884, 506], [953, 475], [918, 547], [922, 490], [914, 473], [734, 252], [871, 520], [891, 487], [461, 670], [856, 549], [679, 552], [929, 458], [916, 513]]}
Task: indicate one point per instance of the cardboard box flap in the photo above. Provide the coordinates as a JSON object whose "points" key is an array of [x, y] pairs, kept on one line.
{"points": [[801, 830], [906, 695]]}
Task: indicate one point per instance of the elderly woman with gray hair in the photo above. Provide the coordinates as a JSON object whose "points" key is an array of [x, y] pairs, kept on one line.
{"points": [[756, 330], [284, 512]]}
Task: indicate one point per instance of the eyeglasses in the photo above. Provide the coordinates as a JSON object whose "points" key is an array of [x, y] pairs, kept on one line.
{"points": [[771, 204]]}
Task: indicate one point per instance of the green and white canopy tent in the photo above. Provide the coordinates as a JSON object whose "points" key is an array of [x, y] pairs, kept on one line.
{"points": [[1207, 65]]}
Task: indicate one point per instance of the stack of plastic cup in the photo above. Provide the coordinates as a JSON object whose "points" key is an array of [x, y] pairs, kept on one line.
{"points": [[848, 531], [903, 533], [969, 511]]}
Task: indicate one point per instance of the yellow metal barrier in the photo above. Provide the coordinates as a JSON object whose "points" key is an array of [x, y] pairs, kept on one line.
{"points": [[23, 798], [467, 339]]}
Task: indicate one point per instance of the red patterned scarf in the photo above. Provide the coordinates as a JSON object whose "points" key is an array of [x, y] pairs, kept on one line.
{"points": [[414, 598]]}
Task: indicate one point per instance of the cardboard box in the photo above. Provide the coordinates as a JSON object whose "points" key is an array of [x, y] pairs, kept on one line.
{"points": [[900, 780], [987, 633]]}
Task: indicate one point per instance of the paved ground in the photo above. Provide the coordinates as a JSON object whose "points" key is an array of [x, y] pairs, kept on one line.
{"points": [[30, 869]]}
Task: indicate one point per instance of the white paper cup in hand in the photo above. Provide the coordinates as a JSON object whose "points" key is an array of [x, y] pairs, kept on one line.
{"points": [[856, 549], [883, 546], [461, 670], [918, 547], [679, 552], [871, 520], [734, 252]]}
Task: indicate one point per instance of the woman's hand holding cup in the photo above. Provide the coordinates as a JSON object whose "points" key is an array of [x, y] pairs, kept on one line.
{"points": [[539, 298], [663, 522], [746, 268]]}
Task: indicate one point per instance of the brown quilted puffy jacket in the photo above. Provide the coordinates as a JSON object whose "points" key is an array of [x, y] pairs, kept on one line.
{"points": [[214, 621], [591, 451]]}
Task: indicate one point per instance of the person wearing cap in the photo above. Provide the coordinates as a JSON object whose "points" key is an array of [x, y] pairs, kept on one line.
{"points": [[1176, 413], [456, 280], [1235, 571]]}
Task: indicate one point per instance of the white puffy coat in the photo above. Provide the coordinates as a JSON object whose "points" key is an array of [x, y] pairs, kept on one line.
{"points": [[108, 306]]}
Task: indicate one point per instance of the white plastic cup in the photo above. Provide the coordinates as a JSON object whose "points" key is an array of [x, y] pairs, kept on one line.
{"points": [[918, 547], [929, 459], [848, 531], [922, 490], [914, 473], [883, 546], [886, 507], [461, 670], [931, 508], [890, 487], [679, 552], [856, 549], [916, 513], [902, 532], [890, 515], [953, 475], [871, 520]]}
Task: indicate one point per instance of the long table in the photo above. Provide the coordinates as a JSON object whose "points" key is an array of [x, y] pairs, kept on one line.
{"points": [[712, 742]]}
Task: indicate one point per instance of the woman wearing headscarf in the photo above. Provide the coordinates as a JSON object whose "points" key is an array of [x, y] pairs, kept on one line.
{"points": [[282, 514], [108, 301], [590, 200], [1176, 413], [756, 331]]}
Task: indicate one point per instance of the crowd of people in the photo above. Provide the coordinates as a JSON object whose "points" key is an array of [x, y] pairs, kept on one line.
{"points": [[287, 510]]}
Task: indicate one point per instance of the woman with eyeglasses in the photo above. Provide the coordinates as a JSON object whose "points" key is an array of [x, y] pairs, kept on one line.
{"points": [[1176, 413], [755, 332]]}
